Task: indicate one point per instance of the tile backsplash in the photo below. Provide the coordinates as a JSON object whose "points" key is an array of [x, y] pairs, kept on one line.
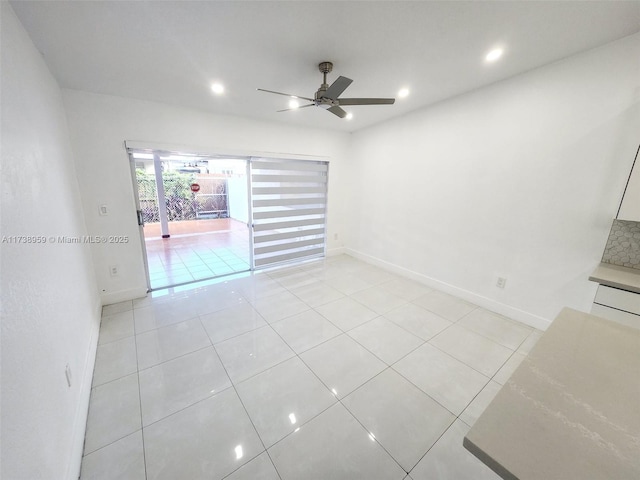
{"points": [[623, 245]]}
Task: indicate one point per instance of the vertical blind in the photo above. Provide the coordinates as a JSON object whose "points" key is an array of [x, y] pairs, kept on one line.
{"points": [[288, 210]]}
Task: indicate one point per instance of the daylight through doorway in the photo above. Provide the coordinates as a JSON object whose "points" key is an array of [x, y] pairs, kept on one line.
{"points": [[194, 211]]}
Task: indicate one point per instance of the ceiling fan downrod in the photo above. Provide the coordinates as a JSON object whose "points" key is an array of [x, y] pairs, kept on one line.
{"points": [[324, 67]]}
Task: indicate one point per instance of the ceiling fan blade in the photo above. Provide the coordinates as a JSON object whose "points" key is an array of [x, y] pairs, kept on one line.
{"points": [[286, 94], [337, 87], [337, 111], [297, 108], [366, 101]]}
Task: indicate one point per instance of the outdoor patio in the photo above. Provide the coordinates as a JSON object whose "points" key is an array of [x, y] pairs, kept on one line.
{"points": [[196, 250]]}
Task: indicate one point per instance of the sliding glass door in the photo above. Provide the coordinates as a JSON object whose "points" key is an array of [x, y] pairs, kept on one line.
{"points": [[204, 216], [193, 212]]}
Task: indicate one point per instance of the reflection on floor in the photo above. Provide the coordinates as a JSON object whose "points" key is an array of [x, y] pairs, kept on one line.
{"points": [[197, 249], [333, 369]]}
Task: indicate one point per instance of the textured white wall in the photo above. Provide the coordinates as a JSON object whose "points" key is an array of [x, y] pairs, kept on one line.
{"points": [[520, 179], [630, 205], [99, 124], [50, 304]]}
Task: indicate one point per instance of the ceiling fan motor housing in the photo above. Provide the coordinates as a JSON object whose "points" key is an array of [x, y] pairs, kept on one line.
{"points": [[327, 97]]}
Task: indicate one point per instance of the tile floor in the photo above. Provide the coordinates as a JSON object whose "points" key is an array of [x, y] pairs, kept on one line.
{"points": [[196, 250], [334, 369]]}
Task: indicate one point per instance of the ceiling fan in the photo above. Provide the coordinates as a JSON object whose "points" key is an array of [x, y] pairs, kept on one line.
{"points": [[327, 97]]}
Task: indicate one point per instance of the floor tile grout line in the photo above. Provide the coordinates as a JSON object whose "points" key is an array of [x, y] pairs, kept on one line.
{"points": [[471, 331], [182, 409], [418, 387], [518, 324], [173, 358], [433, 445], [371, 434], [464, 363], [247, 413], [85, 454], [144, 452], [274, 464]]}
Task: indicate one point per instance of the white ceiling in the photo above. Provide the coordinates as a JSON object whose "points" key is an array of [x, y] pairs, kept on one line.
{"points": [[171, 51]]}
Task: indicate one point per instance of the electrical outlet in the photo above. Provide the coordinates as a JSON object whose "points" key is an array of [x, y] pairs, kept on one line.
{"points": [[67, 373], [501, 282], [113, 270]]}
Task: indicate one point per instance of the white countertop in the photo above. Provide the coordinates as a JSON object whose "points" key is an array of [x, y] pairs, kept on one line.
{"points": [[617, 277], [572, 408]]}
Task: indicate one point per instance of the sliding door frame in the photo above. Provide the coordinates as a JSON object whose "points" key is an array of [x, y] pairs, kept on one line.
{"points": [[249, 157]]}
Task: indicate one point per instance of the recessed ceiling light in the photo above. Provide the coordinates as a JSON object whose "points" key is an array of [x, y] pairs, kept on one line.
{"points": [[349, 116], [217, 88], [403, 92], [494, 55], [293, 103]]}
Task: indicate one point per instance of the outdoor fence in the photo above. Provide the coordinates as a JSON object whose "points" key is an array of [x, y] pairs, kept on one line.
{"points": [[183, 204]]}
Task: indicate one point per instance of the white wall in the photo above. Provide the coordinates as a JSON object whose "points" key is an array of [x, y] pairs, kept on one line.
{"points": [[520, 179], [99, 124], [238, 198], [630, 205], [50, 305]]}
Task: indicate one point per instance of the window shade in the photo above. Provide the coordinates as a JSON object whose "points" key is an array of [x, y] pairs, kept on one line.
{"points": [[288, 209]]}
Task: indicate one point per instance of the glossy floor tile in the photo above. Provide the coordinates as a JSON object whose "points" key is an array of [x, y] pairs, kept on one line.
{"points": [[342, 364], [114, 360], [167, 343], [402, 418], [116, 326], [346, 313], [330, 369], [114, 412], [209, 439], [231, 322], [474, 350], [282, 398], [417, 320], [253, 352], [178, 383], [449, 460], [378, 299], [496, 327], [305, 330], [260, 468], [122, 459], [444, 305], [385, 339], [447, 380], [334, 445]]}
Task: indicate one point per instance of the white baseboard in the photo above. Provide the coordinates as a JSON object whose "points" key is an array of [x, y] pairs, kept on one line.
{"points": [[484, 302], [123, 295], [84, 395]]}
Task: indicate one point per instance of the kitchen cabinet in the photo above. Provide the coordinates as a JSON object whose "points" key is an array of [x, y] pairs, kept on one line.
{"points": [[618, 295]]}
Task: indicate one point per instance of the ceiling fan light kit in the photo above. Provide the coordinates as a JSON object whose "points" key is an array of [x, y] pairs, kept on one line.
{"points": [[327, 96]]}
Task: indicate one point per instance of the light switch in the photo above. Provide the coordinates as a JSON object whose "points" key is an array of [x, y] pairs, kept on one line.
{"points": [[103, 210]]}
